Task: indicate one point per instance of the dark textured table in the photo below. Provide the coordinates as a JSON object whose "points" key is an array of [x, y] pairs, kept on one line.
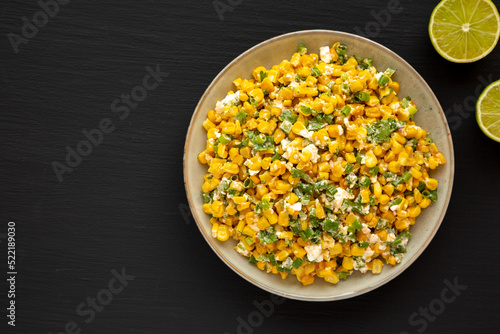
{"points": [[106, 244]]}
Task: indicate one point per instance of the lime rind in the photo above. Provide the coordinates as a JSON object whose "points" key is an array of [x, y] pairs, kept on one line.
{"points": [[488, 111], [479, 40]]}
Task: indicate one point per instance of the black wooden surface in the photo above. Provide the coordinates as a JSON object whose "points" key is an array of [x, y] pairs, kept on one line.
{"points": [[124, 205]]}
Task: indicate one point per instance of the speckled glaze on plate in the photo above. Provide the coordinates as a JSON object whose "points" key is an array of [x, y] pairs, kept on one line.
{"points": [[430, 116]]}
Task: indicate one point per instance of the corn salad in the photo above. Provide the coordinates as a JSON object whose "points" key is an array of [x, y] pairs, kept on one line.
{"points": [[316, 167]]}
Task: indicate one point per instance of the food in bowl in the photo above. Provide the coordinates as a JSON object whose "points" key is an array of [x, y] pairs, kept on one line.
{"points": [[316, 167]]}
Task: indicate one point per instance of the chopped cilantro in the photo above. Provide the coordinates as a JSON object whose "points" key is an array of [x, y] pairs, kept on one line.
{"points": [[298, 173], [380, 132]]}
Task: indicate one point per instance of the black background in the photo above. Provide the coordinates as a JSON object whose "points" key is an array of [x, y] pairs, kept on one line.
{"points": [[125, 204]]}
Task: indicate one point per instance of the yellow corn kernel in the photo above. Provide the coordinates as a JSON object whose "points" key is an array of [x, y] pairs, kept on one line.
{"points": [[298, 251], [377, 189], [388, 189], [383, 199], [245, 152], [332, 278], [402, 224], [348, 263], [350, 157], [292, 198], [278, 136], [207, 208], [272, 217], [223, 232], [356, 251], [433, 163], [336, 249], [231, 168], [417, 195], [283, 219], [249, 231], [207, 124], [400, 139], [414, 211], [415, 173], [425, 203], [355, 86], [365, 196], [320, 212], [217, 209], [394, 167], [370, 159], [280, 256], [377, 265], [286, 235], [431, 183], [215, 229]]}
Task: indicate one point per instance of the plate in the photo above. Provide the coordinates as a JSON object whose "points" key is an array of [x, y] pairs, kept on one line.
{"points": [[430, 116]]}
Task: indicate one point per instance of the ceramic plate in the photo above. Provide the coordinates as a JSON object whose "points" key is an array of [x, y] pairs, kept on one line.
{"points": [[430, 116]]}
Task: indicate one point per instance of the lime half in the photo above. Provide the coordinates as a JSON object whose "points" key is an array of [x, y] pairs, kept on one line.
{"points": [[488, 111], [464, 31]]}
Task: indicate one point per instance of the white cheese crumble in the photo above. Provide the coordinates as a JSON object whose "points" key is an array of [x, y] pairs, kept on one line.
{"points": [[295, 207], [391, 237], [287, 263], [368, 254], [339, 197], [366, 229], [314, 152], [278, 104], [306, 134], [374, 239], [325, 55], [314, 253]]}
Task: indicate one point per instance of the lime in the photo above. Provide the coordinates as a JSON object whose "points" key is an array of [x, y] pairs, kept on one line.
{"points": [[488, 111], [464, 31]]}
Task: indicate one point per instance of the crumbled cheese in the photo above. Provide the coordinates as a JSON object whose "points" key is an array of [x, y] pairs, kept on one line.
{"points": [[279, 234], [374, 239], [287, 263], [343, 229], [294, 84], [295, 207], [394, 208], [231, 98], [339, 196], [378, 75], [391, 237], [306, 134], [278, 104], [360, 265], [325, 55], [314, 253], [253, 172], [285, 143], [381, 246], [341, 130], [328, 69], [368, 254], [314, 152], [365, 229], [219, 107]]}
